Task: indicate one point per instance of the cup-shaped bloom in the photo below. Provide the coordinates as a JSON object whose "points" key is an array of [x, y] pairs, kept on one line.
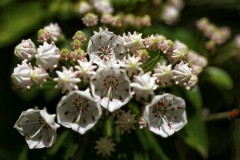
{"points": [[111, 86], [67, 79], [105, 47], [47, 56], [78, 110], [165, 114], [38, 127], [25, 50], [21, 75], [144, 85], [54, 30]]}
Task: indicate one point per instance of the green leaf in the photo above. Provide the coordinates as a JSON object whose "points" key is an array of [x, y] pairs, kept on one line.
{"points": [[219, 78], [19, 20], [152, 62], [23, 154], [195, 133]]}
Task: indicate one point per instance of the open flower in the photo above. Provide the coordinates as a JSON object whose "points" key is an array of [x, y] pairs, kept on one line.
{"points": [[67, 79], [144, 85], [38, 127], [47, 56], [104, 47], [112, 87], [25, 50], [78, 110], [21, 75], [165, 114], [54, 30]]}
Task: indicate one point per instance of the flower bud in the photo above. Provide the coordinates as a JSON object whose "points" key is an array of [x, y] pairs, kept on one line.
{"points": [[43, 35], [25, 50], [90, 19]]}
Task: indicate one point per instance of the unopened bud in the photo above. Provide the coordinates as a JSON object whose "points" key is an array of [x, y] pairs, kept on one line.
{"points": [[43, 35]]}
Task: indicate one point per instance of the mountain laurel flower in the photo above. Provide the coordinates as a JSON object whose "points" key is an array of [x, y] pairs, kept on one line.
{"points": [[144, 85], [111, 86], [38, 75], [78, 110], [83, 7], [38, 127], [126, 121], [105, 146], [67, 79], [133, 42], [196, 59], [21, 75], [145, 20], [79, 35], [132, 65], [105, 47], [166, 46], [47, 56], [182, 73], [26, 50], [85, 70], [179, 52], [43, 35], [90, 19], [143, 53], [106, 18], [54, 30], [170, 14], [152, 42], [165, 114], [191, 83], [163, 73], [103, 6]]}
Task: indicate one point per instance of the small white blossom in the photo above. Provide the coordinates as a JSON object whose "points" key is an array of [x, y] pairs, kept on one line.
{"points": [[54, 30], [170, 14], [38, 127], [105, 47], [85, 70], [180, 51], [38, 75], [152, 42], [26, 50], [132, 65], [47, 56], [103, 6], [165, 114], [111, 86], [67, 79], [21, 75], [84, 7], [78, 110], [144, 85], [90, 19], [192, 82], [163, 73], [182, 73], [133, 41]]}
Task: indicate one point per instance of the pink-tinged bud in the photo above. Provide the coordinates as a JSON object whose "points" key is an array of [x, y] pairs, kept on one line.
{"points": [[170, 14], [43, 35], [76, 44], [79, 35], [54, 30], [26, 50], [166, 46]]}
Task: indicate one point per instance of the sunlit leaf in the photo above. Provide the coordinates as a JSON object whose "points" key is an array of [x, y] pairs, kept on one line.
{"points": [[218, 77]]}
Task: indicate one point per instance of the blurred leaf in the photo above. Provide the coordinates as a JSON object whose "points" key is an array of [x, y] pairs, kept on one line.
{"points": [[225, 53], [70, 150], [155, 145], [60, 140], [23, 154], [236, 139], [219, 77], [195, 133], [19, 20]]}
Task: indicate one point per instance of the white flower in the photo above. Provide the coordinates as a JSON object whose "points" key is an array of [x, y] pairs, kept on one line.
{"points": [[104, 47], [163, 73], [132, 65], [152, 42], [180, 51], [193, 80], [84, 7], [182, 73], [103, 6], [133, 41], [170, 14], [38, 127], [144, 85], [67, 79], [165, 114], [78, 110], [38, 75], [111, 87], [47, 56], [54, 30], [85, 70], [196, 59], [21, 75], [25, 50]]}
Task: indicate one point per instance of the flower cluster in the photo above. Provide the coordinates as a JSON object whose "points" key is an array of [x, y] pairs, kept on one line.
{"points": [[111, 72], [216, 35]]}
